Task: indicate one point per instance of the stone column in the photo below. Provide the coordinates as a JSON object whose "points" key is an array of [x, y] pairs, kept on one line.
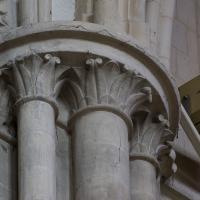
{"points": [[100, 151], [36, 135], [45, 10], [165, 31], [112, 13], [152, 18], [137, 21], [37, 111], [151, 131], [143, 180], [34, 11], [28, 12], [87, 16], [103, 97]]}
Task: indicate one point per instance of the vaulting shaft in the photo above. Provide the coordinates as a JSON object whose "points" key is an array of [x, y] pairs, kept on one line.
{"points": [[34, 11]]}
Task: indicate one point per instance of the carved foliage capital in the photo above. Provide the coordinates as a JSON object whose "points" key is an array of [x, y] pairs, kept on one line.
{"points": [[151, 138], [106, 83], [36, 76]]}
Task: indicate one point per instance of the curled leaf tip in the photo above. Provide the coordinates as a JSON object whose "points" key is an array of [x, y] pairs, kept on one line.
{"points": [[48, 57]]}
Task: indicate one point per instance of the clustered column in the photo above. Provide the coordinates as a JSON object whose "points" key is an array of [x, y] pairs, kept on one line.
{"points": [[103, 97]]}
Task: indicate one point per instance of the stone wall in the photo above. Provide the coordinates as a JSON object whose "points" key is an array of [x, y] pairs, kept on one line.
{"points": [[185, 41]]}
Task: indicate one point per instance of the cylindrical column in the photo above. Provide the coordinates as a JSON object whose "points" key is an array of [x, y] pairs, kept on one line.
{"points": [[123, 13], [28, 12], [112, 13], [36, 150], [152, 17], [137, 21], [165, 29], [137, 10], [88, 14], [100, 157], [143, 180], [45, 10], [34, 11]]}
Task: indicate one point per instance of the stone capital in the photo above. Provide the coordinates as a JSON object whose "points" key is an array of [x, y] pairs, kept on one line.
{"points": [[108, 84], [105, 85], [150, 142], [36, 79]]}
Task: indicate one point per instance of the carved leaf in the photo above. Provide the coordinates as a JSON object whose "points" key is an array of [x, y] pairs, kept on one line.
{"points": [[106, 74], [46, 78], [25, 76], [134, 101], [92, 81], [36, 77], [107, 83], [78, 94], [149, 133], [35, 69], [19, 81], [58, 87]]}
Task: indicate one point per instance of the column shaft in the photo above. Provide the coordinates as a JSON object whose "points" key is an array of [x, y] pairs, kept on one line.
{"points": [[45, 10], [143, 180], [112, 13], [28, 12], [36, 136], [100, 157], [137, 21], [88, 15]]}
